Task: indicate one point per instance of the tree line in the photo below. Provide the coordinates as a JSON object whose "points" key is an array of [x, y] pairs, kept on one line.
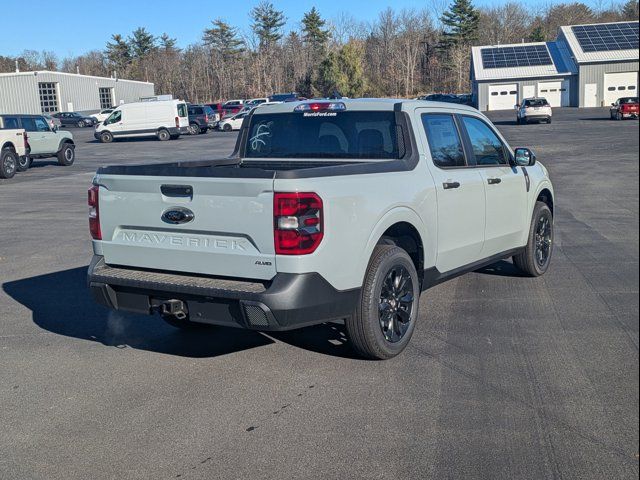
{"points": [[402, 53]]}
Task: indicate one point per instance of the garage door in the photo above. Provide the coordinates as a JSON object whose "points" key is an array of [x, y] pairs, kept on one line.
{"points": [[556, 93], [503, 97], [618, 85]]}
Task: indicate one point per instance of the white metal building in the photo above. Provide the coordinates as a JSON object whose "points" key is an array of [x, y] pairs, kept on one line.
{"points": [[49, 92], [586, 66]]}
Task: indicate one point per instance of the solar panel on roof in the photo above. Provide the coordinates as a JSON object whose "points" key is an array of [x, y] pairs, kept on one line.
{"points": [[520, 56], [607, 36]]}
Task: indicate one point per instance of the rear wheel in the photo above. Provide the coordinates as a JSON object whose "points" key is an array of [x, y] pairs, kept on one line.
{"points": [[385, 317], [8, 163], [164, 135], [536, 257], [549, 120], [66, 155], [80, 124], [618, 116], [226, 127]]}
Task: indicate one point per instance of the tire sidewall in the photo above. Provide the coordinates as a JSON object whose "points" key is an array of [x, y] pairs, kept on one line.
{"points": [[370, 300], [164, 135], [62, 157], [106, 137], [8, 172], [23, 163], [541, 211]]}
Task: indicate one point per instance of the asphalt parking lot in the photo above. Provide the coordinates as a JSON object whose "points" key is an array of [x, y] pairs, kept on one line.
{"points": [[505, 378]]}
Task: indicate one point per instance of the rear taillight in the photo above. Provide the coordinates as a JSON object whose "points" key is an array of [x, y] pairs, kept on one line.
{"points": [[94, 212], [206, 118], [297, 223], [177, 122]]}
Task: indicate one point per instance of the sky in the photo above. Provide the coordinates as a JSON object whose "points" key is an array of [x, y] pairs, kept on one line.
{"points": [[73, 27]]}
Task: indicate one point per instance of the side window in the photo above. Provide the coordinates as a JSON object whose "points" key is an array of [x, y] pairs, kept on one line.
{"points": [[29, 124], [41, 125], [487, 147], [114, 117], [444, 141], [11, 123]]}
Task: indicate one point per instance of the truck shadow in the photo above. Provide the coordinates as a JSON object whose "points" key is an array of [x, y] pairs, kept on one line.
{"points": [[60, 303]]}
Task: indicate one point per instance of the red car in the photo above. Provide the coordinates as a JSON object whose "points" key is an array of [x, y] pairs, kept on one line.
{"points": [[226, 109], [625, 107]]}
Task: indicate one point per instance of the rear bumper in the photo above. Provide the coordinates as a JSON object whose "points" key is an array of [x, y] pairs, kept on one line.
{"points": [[286, 302], [538, 117]]}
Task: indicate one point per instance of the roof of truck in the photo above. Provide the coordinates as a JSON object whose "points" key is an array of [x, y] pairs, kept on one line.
{"points": [[365, 104]]}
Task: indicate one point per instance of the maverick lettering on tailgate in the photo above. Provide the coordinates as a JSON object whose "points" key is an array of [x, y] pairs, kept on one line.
{"points": [[163, 239]]}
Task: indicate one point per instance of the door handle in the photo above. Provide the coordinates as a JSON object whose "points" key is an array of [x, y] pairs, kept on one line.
{"points": [[450, 185], [494, 181]]}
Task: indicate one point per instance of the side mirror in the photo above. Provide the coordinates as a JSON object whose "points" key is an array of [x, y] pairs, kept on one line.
{"points": [[524, 157], [613, 104], [54, 128]]}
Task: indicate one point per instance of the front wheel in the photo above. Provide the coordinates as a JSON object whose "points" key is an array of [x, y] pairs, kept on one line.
{"points": [[385, 317], [80, 124], [226, 127], [106, 137], [618, 116], [536, 257], [549, 120], [66, 155], [8, 163], [194, 129]]}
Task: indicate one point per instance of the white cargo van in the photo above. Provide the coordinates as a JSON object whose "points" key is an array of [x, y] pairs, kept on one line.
{"points": [[163, 119]]}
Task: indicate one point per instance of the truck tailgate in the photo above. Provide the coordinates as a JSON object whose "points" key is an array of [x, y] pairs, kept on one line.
{"points": [[230, 233]]}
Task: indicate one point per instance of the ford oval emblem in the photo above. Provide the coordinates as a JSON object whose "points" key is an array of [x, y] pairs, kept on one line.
{"points": [[177, 215]]}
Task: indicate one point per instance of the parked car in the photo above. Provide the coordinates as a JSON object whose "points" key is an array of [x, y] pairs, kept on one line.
{"points": [[254, 102], [102, 115], [74, 119], [535, 109], [163, 119], [42, 140], [13, 147], [53, 122], [341, 210], [625, 107], [284, 97], [234, 122], [201, 119]]}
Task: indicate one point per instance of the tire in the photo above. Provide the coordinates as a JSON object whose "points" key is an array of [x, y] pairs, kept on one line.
{"points": [[164, 135], [549, 121], [226, 127], [536, 257], [618, 116], [194, 129], [204, 130], [24, 163], [66, 155], [8, 163], [106, 137], [366, 327], [80, 124], [183, 323]]}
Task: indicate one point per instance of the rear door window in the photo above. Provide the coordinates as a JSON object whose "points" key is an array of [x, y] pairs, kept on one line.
{"points": [[444, 140], [29, 124], [487, 147], [182, 110]]}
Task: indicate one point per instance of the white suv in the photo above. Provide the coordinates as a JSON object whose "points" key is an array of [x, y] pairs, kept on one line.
{"points": [[535, 109]]}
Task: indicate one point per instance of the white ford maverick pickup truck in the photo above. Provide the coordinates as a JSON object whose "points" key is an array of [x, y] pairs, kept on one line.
{"points": [[326, 210]]}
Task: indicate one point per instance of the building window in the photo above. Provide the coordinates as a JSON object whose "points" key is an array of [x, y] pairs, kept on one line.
{"points": [[106, 97], [48, 97]]}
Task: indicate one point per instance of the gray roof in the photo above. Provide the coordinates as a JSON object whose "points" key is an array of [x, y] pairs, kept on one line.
{"points": [[589, 57], [562, 65]]}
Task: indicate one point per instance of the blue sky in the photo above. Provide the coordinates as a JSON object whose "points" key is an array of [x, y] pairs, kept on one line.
{"points": [[72, 27]]}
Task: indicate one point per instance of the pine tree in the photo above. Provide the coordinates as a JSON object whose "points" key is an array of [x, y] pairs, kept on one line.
{"points": [[314, 33], [142, 43], [167, 43], [267, 23], [537, 34], [342, 72], [630, 10], [461, 22], [223, 38], [118, 52]]}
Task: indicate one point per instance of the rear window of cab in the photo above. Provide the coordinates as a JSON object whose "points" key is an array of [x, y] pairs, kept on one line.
{"points": [[344, 135], [183, 110]]}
